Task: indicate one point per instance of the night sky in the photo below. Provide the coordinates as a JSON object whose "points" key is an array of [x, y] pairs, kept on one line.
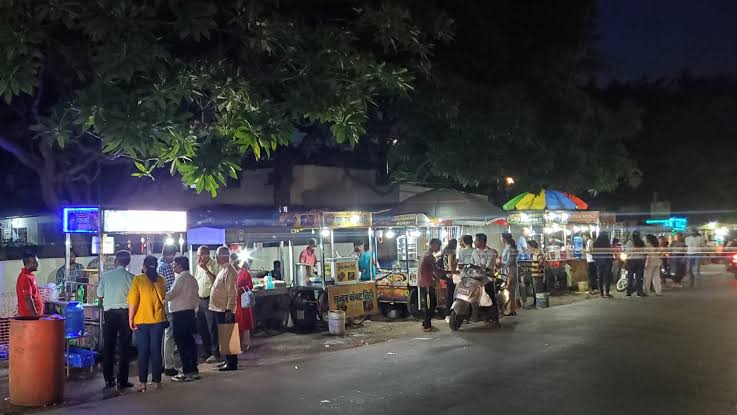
{"points": [[659, 38]]}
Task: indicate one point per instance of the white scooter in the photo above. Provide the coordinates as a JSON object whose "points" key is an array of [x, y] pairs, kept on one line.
{"points": [[467, 304]]}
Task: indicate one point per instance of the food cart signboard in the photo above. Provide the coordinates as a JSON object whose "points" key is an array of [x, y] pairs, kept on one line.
{"points": [[526, 218], [356, 300], [81, 220], [346, 271], [309, 220], [336, 220], [586, 217], [411, 220], [145, 221]]}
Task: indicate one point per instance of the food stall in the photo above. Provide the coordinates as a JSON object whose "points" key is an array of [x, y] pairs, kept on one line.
{"points": [[105, 225], [349, 294], [404, 234], [557, 221]]}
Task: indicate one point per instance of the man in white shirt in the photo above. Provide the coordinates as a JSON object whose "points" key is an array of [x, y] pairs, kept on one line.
{"points": [[205, 274], [486, 257], [695, 244], [182, 301], [223, 297], [465, 254]]}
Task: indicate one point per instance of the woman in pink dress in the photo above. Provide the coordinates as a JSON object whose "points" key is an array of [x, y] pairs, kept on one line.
{"points": [[243, 316]]}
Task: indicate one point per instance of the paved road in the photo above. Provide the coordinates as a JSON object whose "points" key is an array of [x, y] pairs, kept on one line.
{"points": [[675, 354]]}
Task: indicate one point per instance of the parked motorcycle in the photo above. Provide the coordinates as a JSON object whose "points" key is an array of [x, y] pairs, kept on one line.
{"points": [[467, 298], [622, 281]]}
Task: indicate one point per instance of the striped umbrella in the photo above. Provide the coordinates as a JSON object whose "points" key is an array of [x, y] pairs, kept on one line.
{"points": [[546, 199]]}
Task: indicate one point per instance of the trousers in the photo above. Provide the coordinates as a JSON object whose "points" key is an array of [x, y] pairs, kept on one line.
{"points": [[207, 328], [428, 302], [116, 334], [652, 277], [183, 327]]}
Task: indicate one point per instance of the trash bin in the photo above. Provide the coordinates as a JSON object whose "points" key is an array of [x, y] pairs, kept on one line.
{"points": [[36, 361]]}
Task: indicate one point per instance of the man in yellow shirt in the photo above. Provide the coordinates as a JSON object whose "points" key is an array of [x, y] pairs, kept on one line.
{"points": [[205, 274], [223, 297]]}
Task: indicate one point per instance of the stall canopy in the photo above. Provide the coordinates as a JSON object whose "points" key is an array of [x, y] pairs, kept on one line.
{"points": [[448, 204], [546, 200]]}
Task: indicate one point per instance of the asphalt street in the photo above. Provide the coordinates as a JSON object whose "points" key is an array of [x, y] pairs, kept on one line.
{"points": [[675, 354]]}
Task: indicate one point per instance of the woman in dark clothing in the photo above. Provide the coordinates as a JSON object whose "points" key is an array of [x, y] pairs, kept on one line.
{"points": [[603, 257], [635, 251]]}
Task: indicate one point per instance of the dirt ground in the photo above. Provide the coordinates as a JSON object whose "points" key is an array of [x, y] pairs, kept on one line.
{"points": [[86, 386]]}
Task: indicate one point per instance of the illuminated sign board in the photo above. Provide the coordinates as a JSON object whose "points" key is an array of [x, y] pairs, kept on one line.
{"points": [[145, 221], [80, 220], [335, 220], [677, 224]]}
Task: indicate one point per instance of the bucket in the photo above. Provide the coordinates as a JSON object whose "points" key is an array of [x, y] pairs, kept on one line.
{"points": [[583, 286], [336, 322], [542, 300]]}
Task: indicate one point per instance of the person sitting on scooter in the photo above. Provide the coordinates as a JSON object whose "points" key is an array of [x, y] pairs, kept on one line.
{"points": [[486, 258]]}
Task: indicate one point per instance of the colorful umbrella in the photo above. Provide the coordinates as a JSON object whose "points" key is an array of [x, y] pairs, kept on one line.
{"points": [[546, 199]]}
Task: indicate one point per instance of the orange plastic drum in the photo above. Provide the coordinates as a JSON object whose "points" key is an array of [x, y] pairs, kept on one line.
{"points": [[36, 361]]}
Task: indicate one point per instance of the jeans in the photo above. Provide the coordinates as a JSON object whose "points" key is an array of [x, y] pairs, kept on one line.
{"points": [[694, 268], [168, 347], [148, 340], [428, 302], [207, 328], [604, 274], [183, 328], [538, 286], [593, 280], [635, 271], [116, 333], [231, 360]]}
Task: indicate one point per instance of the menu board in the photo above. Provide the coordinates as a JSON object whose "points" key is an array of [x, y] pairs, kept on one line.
{"points": [[346, 271], [81, 220]]}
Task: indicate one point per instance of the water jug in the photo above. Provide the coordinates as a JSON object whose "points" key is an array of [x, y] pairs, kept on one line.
{"points": [[74, 320], [269, 282]]}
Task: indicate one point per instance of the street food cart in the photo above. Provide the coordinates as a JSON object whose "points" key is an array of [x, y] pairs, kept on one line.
{"points": [[557, 221], [404, 235]]}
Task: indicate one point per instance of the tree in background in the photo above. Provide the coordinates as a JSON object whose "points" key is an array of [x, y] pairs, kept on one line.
{"points": [[506, 100], [193, 85]]}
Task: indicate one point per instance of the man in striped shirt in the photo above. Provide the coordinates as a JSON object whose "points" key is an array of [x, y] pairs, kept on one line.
{"points": [[166, 270]]}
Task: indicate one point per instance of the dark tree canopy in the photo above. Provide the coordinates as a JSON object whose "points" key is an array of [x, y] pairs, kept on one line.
{"points": [[506, 100], [195, 86]]}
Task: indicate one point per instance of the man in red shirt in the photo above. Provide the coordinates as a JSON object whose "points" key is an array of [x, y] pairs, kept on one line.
{"points": [[308, 256], [427, 275], [30, 303]]}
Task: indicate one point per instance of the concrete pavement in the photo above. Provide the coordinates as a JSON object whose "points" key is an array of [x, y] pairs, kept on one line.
{"points": [[675, 354]]}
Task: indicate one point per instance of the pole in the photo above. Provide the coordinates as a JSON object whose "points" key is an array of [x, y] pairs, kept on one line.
{"points": [[293, 281], [371, 253], [67, 254]]}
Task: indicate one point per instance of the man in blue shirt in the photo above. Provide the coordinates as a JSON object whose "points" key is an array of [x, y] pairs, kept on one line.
{"points": [[113, 293], [166, 270]]}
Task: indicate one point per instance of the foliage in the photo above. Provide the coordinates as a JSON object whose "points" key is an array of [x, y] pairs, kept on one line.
{"points": [[513, 105], [193, 85]]}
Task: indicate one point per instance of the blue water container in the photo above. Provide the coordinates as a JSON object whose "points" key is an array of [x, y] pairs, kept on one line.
{"points": [[74, 320]]}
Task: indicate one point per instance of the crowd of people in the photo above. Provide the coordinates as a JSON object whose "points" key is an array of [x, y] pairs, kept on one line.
{"points": [[646, 261], [165, 306]]}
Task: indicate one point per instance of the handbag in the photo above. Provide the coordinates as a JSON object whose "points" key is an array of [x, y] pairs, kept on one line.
{"points": [[247, 299]]}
